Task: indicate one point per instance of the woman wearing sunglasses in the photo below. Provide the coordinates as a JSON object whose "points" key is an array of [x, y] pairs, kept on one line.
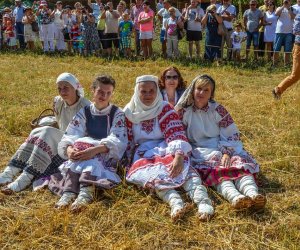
{"points": [[171, 85]]}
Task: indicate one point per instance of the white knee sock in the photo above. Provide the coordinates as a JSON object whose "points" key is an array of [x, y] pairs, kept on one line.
{"points": [[8, 174], [173, 199], [22, 182], [229, 191], [85, 196], [247, 186], [198, 193]]}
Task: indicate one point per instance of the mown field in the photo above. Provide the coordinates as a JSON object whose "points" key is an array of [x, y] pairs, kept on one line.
{"points": [[127, 218]]}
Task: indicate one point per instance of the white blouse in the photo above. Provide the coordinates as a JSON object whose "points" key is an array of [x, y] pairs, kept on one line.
{"points": [[65, 113], [116, 141]]}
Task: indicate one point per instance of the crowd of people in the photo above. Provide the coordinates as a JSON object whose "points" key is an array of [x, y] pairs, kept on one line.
{"points": [[102, 30], [169, 136]]}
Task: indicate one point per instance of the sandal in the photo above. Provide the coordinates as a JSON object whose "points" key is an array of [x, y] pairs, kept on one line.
{"points": [[276, 94]]}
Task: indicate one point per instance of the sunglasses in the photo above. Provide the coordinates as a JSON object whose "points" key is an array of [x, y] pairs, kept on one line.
{"points": [[175, 77]]}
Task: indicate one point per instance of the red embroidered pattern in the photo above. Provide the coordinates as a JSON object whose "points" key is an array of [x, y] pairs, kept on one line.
{"points": [[75, 123], [82, 145], [148, 125], [226, 117], [171, 125], [41, 144]]}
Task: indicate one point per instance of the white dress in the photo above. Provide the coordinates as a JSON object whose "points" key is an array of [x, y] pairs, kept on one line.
{"points": [[152, 146], [212, 133], [269, 33], [38, 154], [102, 166]]}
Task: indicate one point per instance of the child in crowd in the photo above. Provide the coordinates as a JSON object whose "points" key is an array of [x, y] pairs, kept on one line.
{"points": [[76, 38], [125, 29], [68, 19], [10, 34], [172, 24], [237, 37]]}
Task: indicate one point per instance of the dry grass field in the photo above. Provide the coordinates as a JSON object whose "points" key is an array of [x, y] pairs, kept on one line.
{"points": [[127, 218]]}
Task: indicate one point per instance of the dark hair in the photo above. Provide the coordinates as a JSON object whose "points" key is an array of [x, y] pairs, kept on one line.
{"points": [[104, 79], [146, 3], [181, 82]]}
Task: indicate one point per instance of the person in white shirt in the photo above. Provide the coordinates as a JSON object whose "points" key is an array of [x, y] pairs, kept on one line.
{"points": [[163, 16], [96, 9], [237, 37], [228, 12], [58, 27], [284, 31], [159, 5], [193, 16], [296, 7]]}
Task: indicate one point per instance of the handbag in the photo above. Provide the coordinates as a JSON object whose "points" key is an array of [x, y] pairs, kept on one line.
{"points": [[221, 29], [45, 120], [35, 26]]}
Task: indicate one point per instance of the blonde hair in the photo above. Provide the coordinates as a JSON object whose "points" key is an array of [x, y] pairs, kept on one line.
{"points": [[203, 81], [171, 9]]}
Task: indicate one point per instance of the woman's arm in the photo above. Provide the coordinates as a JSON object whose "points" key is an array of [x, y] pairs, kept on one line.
{"points": [[75, 130]]}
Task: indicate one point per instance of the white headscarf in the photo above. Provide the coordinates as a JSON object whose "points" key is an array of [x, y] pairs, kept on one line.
{"points": [[135, 110], [68, 77]]}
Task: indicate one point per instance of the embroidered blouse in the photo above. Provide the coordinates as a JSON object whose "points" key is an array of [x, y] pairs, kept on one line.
{"points": [[116, 141]]}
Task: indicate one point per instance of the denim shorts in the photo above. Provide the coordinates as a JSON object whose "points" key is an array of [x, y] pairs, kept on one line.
{"points": [[162, 36], [285, 40], [252, 36], [146, 35]]}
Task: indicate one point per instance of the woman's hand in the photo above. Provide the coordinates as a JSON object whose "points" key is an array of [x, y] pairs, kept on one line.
{"points": [[86, 154], [71, 153], [177, 165], [225, 161]]}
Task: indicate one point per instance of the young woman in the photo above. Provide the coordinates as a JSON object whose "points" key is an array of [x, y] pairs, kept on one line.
{"points": [[145, 21], [94, 141], [213, 40], [37, 156], [29, 34], [158, 150], [218, 152], [270, 21], [171, 85]]}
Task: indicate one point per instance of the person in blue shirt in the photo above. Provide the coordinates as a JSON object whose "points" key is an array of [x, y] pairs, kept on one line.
{"points": [[125, 29], [18, 14]]}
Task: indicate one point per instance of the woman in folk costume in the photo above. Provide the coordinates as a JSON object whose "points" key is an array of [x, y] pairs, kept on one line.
{"points": [[37, 156], [94, 141], [159, 150], [218, 152]]}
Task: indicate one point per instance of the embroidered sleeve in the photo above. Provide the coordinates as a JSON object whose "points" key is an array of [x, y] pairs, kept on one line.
{"points": [[130, 144], [75, 130], [173, 130], [116, 141], [230, 142]]}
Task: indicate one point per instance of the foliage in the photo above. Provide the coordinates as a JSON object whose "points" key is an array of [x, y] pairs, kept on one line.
{"points": [[127, 218]]}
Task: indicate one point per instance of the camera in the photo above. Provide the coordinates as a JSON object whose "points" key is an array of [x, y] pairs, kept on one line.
{"points": [[106, 7], [211, 11]]}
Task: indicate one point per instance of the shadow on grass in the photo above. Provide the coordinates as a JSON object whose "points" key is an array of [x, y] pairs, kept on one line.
{"points": [[267, 185]]}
